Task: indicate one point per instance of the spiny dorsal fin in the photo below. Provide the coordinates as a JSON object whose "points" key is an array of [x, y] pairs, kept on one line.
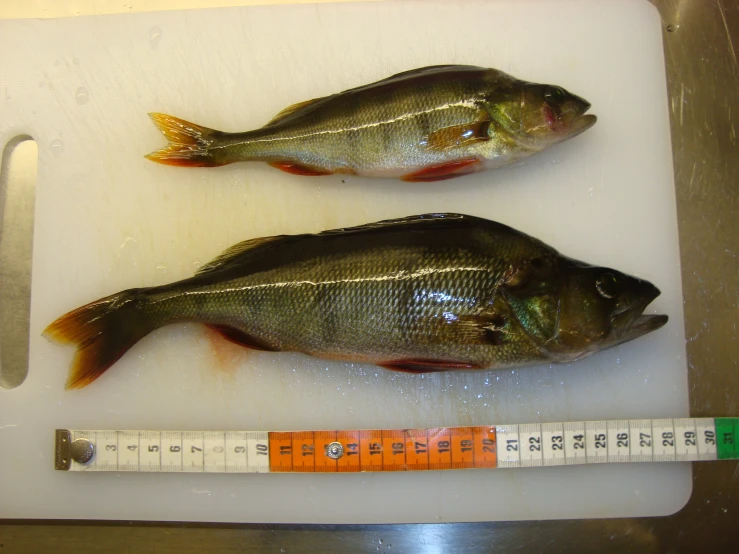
{"points": [[230, 254], [291, 110], [234, 252], [389, 223], [420, 72], [430, 70]]}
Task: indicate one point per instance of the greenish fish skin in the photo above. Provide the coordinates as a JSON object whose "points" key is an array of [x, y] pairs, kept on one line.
{"points": [[424, 293], [427, 124]]}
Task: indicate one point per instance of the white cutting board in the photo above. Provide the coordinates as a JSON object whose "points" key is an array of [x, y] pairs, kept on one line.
{"points": [[107, 219]]}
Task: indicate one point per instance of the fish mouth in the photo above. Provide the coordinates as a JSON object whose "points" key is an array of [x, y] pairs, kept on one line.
{"points": [[647, 323], [643, 325], [631, 322], [582, 123], [580, 120]]}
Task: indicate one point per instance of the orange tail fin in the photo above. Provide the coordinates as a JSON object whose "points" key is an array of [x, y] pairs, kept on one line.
{"points": [[102, 331], [190, 145]]}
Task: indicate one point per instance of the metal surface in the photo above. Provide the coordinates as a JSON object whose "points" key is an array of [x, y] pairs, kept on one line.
{"points": [[703, 77], [62, 459], [81, 450], [335, 450], [17, 198]]}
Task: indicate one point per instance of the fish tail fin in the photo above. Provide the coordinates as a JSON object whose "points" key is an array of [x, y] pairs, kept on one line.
{"points": [[190, 145], [102, 331]]}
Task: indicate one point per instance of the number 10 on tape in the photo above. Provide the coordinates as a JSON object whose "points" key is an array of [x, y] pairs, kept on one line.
{"points": [[526, 445]]}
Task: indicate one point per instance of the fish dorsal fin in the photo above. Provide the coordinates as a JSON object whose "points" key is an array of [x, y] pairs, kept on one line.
{"points": [[429, 70], [232, 253], [421, 72], [290, 110], [421, 219], [237, 250]]}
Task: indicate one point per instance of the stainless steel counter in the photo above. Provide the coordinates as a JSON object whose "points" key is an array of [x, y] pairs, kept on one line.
{"points": [[701, 39]]}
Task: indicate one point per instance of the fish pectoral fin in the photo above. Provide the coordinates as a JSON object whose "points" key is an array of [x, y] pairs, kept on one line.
{"points": [[447, 170], [427, 366], [298, 169], [238, 336], [458, 135], [290, 110], [487, 328]]}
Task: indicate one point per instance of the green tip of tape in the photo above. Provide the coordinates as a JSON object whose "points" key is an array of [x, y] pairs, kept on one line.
{"points": [[727, 431]]}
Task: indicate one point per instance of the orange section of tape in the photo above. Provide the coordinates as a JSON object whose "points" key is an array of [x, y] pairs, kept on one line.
{"points": [[382, 450]]}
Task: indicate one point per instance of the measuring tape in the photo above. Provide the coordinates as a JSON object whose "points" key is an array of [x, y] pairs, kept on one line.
{"points": [[529, 445]]}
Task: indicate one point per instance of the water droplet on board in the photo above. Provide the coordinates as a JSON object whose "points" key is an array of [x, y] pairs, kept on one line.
{"points": [[81, 96], [57, 147], [155, 35]]}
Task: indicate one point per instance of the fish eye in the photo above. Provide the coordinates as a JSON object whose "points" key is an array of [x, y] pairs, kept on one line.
{"points": [[554, 95], [607, 285]]}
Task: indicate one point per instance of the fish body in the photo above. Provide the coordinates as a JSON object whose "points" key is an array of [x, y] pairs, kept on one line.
{"points": [[428, 124], [425, 293]]}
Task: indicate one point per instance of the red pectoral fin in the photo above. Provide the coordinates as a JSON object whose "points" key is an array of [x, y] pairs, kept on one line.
{"points": [[239, 337], [426, 366], [297, 169], [444, 171]]}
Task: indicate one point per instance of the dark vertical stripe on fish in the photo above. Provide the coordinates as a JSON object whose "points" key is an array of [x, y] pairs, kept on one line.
{"points": [[423, 120], [329, 325]]}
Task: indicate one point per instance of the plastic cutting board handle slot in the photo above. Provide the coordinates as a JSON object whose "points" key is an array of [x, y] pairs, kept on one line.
{"points": [[17, 196]]}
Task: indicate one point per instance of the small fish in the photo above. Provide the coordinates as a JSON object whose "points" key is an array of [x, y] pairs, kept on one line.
{"points": [[425, 293], [428, 124]]}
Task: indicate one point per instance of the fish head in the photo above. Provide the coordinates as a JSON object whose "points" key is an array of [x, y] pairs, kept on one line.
{"points": [[600, 308], [549, 114], [570, 309]]}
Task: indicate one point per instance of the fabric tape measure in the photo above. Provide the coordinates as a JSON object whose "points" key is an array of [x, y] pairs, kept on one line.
{"points": [[526, 445]]}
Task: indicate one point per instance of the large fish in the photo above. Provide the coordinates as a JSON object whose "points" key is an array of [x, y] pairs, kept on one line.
{"points": [[427, 124], [425, 293]]}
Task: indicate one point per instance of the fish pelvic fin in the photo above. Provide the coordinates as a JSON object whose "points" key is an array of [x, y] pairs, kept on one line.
{"points": [[103, 331], [190, 145]]}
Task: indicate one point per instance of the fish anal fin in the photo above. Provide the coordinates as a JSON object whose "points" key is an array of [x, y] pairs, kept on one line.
{"points": [[238, 336], [299, 169], [458, 135], [290, 110], [427, 366], [447, 170]]}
